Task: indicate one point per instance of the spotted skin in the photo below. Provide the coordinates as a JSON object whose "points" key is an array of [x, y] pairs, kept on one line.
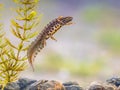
{"points": [[39, 43]]}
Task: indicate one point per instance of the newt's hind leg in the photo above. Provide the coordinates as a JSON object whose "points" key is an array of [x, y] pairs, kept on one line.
{"points": [[45, 42], [53, 38]]}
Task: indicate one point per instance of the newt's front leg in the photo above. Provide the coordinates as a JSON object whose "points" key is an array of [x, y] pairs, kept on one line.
{"points": [[69, 23]]}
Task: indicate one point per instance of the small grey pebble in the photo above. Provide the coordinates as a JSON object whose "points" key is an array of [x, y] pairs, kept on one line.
{"points": [[33, 86], [70, 83], [24, 82], [12, 86], [96, 87], [73, 87], [114, 80]]}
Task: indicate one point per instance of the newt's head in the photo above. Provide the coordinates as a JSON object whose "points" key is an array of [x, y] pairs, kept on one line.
{"points": [[65, 20]]}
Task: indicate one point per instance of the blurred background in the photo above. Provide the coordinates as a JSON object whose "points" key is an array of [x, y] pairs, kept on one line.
{"points": [[85, 51]]}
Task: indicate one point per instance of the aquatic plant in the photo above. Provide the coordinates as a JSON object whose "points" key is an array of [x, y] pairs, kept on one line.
{"points": [[3, 51], [13, 57]]}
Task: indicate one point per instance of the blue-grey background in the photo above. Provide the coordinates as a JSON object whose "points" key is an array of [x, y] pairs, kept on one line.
{"points": [[87, 50]]}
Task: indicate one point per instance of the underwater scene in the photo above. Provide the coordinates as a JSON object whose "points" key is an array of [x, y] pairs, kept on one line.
{"points": [[61, 40]]}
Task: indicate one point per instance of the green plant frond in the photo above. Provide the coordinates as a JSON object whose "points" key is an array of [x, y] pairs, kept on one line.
{"points": [[2, 58], [1, 40], [3, 70], [3, 67], [31, 7], [14, 76], [29, 2], [36, 1], [36, 21], [23, 58], [2, 74], [20, 46], [6, 73], [2, 82], [2, 34], [19, 12], [1, 25], [2, 45], [16, 1], [3, 52], [12, 56], [2, 62], [31, 15], [20, 18], [16, 33], [30, 26], [9, 43], [19, 67], [31, 35], [39, 17], [1, 5], [26, 48], [15, 24]]}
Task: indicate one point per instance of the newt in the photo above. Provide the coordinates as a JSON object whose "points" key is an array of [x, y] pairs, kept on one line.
{"points": [[40, 42]]}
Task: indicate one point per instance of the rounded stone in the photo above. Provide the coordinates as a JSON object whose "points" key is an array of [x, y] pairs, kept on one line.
{"points": [[96, 86], [115, 81], [24, 82], [46, 85], [110, 87], [12, 86], [72, 86]]}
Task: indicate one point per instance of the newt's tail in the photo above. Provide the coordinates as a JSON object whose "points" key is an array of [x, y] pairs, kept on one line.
{"points": [[34, 48]]}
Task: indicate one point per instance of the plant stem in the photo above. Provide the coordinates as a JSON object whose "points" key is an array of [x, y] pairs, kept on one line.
{"points": [[24, 31]]}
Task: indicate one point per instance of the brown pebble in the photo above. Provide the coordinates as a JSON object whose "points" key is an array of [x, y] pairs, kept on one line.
{"points": [[110, 87], [96, 86], [51, 85]]}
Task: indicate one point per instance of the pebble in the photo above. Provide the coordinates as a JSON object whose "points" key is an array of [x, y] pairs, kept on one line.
{"points": [[12, 86], [115, 81], [72, 86], [28, 84], [110, 87], [24, 82], [46, 85], [96, 86]]}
